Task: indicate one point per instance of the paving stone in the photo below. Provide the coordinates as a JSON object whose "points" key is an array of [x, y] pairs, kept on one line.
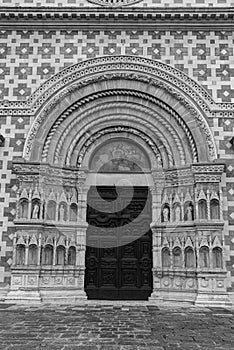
{"points": [[115, 328]]}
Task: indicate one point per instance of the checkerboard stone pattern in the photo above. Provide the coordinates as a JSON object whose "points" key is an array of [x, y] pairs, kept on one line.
{"points": [[144, 3], [14, 130], [223, 129], [28, 58]]}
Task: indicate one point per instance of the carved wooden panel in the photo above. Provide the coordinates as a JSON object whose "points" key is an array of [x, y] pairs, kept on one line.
{"points": [[119, 247]]}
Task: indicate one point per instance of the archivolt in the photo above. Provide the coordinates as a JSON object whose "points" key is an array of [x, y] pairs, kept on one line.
{"points": [[126, 68], [121, 119], [117, 104], [118, 131]]}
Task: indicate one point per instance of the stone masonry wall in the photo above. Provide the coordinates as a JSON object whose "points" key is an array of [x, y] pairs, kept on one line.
{"points": [[28, 58], [144, 3]]}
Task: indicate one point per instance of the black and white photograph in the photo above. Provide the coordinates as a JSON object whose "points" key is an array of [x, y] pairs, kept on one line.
{"points": [[116, 174]]}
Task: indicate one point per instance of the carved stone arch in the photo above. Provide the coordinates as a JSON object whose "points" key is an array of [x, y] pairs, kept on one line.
{"points": [[113, 134], [160, 141], [151, 120], [131, 108], [179, 92], [169, 135], [134, 134], [124, 101]]}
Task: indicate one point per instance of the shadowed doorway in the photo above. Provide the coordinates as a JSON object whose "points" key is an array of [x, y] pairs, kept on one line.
{"points": [[119, 243]]}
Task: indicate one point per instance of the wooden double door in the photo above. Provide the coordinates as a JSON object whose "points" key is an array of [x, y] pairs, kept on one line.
{"points": [[119, 243]]}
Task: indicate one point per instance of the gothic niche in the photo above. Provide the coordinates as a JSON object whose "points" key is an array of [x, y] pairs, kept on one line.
{"points": [[214, 209], [30, 250], [199, 205], [166, 213], [23, 208], [35, 209], [166, 257], [182, 253], [20, 254], [189, 211], [60, 255], [33, 205], [47, 255], [32, 255], [204, 257], [120, 156]]}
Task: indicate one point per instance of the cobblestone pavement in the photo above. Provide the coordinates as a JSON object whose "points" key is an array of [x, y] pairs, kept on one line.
{"points": [[115, 326]]}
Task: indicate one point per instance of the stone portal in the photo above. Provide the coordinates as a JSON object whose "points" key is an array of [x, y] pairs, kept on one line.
{"points": [[110, 133]]}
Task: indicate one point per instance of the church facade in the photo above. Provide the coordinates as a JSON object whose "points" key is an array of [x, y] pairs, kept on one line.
{"points": [[117, 150]]}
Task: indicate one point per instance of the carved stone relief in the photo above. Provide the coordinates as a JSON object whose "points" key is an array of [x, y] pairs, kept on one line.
{"points": [[114, 3], [158, 75], [115, 131], [120, 156]]}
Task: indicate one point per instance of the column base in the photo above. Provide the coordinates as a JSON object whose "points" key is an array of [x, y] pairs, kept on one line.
{"points": [[23, 297], [155, 297], [177, 296], [63, 296], [49, 296], [211, 299], [3, 293]]}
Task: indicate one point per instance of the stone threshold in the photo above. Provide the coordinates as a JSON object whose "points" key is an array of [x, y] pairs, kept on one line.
{"points": [[109, 304]]}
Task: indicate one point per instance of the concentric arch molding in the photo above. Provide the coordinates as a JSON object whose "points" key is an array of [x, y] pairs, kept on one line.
{"points": [[158, 74], [100, 95], [114, 3], [115, 131]]}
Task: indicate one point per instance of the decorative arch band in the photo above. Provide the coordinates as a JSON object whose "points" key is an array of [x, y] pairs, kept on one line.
{"points": [[174, 82], [118, 130], [132, 93]]}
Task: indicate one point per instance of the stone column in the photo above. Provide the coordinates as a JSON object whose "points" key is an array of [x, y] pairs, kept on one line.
{"points": [[197, 250], [68, 211], [157, 262], [156, 190], [26, 250], [182, 207], [82, 203], [41, 205], [30, 204], [54, 251], [57, 211], [196, 211], [156, 204], [221, 204], [17, 214], [208, 204], [14, 249], [81, 234], [39, 250]]}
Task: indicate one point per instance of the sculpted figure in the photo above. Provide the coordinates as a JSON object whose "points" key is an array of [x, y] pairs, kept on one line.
{"points": [[61, 213], [24, 210], [35, 211], [189, 213], [177, 213], [165, 214]]}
